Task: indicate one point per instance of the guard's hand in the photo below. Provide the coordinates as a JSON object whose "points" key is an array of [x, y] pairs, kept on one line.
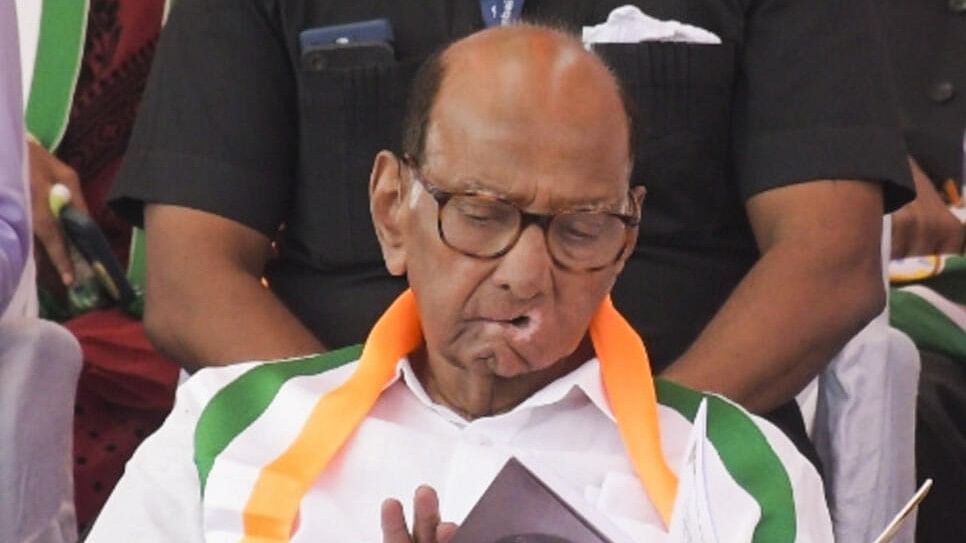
{"points": [[427, 527], [45, 171], [925, 226]]}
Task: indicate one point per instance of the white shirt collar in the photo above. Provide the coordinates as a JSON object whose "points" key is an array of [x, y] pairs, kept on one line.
{"points": [[584, 381]]}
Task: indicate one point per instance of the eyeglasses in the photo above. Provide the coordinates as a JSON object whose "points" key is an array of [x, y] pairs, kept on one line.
{"points": [[485, 226]]}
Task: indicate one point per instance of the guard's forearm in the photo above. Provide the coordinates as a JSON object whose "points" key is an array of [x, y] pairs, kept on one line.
{"points": [[234, 319], [781, 326]]}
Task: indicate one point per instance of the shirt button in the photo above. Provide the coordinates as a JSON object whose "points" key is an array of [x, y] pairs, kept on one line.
{"points": [[479, 440], [941, 91], [957, 6]]}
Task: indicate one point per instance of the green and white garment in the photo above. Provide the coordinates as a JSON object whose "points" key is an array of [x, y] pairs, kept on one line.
{"points": [[236, 420], [927, 302]]}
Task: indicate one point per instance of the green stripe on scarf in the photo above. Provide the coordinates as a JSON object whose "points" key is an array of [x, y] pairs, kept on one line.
{"points": [[236, 406], [63, 24], [929, 328], [746, 455]]}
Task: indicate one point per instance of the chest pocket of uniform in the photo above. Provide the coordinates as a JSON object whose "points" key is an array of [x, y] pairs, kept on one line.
{"points": [[683, 93], [346, 116], [677, 86]]}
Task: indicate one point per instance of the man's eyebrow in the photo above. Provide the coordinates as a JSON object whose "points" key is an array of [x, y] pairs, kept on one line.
{"points": [[605, 204], [472, 185]]}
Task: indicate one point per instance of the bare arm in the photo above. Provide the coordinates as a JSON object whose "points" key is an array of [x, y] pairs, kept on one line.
{"points": [[817, 283], [925, 226], [205, 304]]}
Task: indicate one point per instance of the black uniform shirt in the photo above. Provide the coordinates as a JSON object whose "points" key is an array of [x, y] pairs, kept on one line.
{"points": [[927, 44], [231, 124]]}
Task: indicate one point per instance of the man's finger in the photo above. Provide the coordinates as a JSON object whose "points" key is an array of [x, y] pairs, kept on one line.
{"points": [[445, 531], [951, 241], [52, 240], [901, 226], [45, 170], [66, 175], [394, 523], [425, 515]]}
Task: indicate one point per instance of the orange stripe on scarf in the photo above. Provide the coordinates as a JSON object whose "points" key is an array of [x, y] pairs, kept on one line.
{"points": [[626, 372], [272, 508]]}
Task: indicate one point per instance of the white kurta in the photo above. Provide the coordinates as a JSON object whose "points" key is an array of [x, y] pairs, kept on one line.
{"points": [[407, 440]]}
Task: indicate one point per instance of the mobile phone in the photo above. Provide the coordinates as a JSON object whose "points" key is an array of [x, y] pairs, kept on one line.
{"points": [[373, 30], [362, 43], [87, 237]]}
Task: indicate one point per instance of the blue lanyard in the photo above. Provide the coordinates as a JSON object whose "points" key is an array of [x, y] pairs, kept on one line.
{"points": [[500, 12]]}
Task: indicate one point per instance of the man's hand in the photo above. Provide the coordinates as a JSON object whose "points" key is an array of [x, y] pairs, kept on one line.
{"points": [[45, 171], [427, 527], [925, 226]]}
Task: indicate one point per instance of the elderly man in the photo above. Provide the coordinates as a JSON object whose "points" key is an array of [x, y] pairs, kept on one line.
{"points": [[511, 216]]}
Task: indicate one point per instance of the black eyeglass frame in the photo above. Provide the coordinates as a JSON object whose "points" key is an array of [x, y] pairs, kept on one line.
{"points": [[442, 197]]}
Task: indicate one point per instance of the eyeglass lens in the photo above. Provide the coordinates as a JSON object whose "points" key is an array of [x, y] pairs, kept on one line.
{"points": [[485, 227]]}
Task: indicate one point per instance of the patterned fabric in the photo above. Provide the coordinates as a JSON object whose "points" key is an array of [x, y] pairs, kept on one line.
{"points": [[124, 392]]}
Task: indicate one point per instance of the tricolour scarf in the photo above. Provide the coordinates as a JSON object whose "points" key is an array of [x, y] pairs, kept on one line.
{"points": [[271, 509]]}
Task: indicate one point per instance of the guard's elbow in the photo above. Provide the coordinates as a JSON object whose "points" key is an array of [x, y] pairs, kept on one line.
{"points": [[162, 325], [873, 302], [868, 295]]}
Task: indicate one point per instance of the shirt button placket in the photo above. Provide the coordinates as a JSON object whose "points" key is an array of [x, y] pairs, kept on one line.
{"points": [[479, 439]]}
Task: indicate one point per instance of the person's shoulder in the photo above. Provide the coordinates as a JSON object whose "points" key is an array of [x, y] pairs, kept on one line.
{"points": [[742, 439], [230, 388], [774, 478]]}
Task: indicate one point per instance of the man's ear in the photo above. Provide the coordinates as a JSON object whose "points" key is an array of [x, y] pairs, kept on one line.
{"points": [[387, 206]]}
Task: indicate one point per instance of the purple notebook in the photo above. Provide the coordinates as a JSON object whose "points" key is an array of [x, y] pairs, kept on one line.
{"points": [[518, 507]]}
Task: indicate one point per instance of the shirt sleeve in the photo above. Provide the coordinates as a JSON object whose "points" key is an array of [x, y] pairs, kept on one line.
{"points": [[14, 205], [814, 100], [217, 128], [159, 498]]}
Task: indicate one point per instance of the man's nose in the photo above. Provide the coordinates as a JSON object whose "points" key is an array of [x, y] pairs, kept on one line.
{"points": [[525, 270]]}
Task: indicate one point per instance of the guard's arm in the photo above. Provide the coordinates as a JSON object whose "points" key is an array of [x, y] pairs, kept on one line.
{"points": [[205, 304], [817, 283]]}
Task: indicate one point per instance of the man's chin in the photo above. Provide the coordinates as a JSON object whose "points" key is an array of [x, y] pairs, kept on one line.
{"points": [[505, 359], [506, 351]]}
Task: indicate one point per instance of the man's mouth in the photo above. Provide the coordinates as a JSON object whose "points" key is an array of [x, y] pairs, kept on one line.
{"points": [[520, 322], [523, 327], [520, 326]]}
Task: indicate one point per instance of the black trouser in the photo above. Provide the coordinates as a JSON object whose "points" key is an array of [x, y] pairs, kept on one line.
{"points": [[789, 419], [941, 448]]}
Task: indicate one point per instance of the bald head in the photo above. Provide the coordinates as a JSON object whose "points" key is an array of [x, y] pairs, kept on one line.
{"points": [[520, 74]]}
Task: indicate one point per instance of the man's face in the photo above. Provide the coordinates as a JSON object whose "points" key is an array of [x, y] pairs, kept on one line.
{"points": [[520, 312]]}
